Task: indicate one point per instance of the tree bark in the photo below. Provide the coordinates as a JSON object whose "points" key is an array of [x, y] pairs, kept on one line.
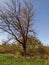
{"points": [[24, 49]]}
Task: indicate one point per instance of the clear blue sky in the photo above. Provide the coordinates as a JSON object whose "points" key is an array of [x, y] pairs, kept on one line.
{"points": [[41, 20]]}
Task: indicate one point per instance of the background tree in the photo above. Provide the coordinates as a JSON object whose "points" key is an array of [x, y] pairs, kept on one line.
{"points": [[16, 18]]}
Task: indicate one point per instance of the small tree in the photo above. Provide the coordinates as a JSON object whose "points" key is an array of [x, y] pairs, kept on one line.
{"points": [[17, 20]]}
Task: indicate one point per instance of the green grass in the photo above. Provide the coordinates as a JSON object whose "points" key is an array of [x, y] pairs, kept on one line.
{"points": [[6, 59]]}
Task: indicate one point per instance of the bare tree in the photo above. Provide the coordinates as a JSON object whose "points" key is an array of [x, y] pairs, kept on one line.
{"points": [[17, 20]]}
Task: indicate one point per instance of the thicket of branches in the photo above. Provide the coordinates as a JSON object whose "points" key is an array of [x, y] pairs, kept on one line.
{"points": [[33, 50]]}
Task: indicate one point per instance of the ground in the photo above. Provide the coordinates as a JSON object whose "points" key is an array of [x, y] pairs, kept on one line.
{"points": [[8, 59]]}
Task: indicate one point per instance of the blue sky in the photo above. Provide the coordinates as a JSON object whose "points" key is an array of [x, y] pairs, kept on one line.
{"points": [[41, 20]]}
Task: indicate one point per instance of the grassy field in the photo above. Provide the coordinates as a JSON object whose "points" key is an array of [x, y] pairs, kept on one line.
{"points": [[6, 59]]}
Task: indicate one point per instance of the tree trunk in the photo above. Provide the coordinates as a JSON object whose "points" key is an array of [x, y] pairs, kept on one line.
{"points": [[24, 49]]}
